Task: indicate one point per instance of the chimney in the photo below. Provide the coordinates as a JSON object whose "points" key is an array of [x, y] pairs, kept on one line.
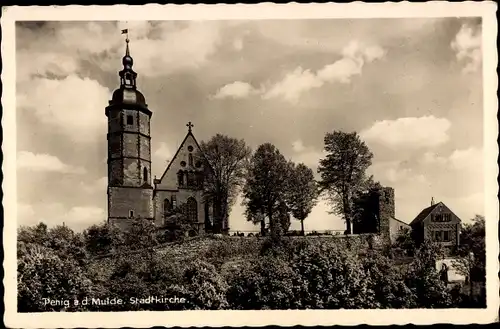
{"points": [[432, 201]]}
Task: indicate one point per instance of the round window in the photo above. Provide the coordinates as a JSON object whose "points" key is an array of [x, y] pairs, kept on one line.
{"points": [[198, 164], [190, 148], [183, 163]]}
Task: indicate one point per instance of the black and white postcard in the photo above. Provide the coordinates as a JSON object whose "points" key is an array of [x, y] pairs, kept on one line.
{"points": [[299, 164]]}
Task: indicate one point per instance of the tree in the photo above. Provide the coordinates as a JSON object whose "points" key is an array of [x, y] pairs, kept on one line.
{"points": [[266, 186], [102, 239], [302, 193], [343, 171], [43, 274], [228, 159], [472, 239]]}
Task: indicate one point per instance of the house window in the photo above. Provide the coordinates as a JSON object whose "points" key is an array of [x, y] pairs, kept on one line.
{"points": [[446, 236], [130, 120], [437, 236], [447, 217], [192, 210], [130, 213]]}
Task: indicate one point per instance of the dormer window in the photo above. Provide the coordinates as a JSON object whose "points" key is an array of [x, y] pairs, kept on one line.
{"points": [[130, 120]]}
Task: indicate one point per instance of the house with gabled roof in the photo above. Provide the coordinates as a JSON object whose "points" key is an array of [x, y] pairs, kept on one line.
{"points": [[437, 223]]}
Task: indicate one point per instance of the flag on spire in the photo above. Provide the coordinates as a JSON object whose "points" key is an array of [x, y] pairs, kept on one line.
{"points": [[125, 31]]}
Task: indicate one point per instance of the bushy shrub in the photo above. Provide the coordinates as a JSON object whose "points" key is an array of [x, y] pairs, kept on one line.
{"points": [[331, 278], [386, 282], [268, 283], [43, 276], [204, 287], [423, 279]]}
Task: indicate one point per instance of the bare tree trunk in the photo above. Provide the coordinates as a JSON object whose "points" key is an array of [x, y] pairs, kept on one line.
{"points": [[262, 227], [347, 215], [302, 227]]}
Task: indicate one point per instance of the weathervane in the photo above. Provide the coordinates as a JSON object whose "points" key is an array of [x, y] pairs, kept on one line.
{"points": [[125, 31]]}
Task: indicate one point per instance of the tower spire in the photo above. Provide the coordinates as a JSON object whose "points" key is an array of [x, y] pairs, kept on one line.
{"points": [[127, 75]]}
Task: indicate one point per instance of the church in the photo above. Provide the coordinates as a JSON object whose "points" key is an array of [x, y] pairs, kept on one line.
{"points": [[132, 193]]}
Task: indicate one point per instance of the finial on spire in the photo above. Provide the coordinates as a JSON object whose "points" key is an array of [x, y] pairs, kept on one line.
{"points": [[189, 125]]}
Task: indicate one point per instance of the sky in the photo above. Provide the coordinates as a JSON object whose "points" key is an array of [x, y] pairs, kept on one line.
{"points": [[412, 89]]}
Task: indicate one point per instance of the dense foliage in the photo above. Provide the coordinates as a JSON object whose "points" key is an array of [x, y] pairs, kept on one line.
{"points": [[343, 171], [96, 268], [227, 158]]}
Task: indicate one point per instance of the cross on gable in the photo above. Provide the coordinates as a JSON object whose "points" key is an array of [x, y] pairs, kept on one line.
{"points": [[190, 125]]}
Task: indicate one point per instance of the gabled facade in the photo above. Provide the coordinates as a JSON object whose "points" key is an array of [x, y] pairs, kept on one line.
{"points": [[438, 224], [181, 185]]}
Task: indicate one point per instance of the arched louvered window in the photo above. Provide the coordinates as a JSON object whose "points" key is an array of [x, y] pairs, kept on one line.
{"points": [[145, 175], [192, 210]]}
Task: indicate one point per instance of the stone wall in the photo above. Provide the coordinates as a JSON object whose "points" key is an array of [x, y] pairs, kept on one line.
{"points": [[122, 199]]}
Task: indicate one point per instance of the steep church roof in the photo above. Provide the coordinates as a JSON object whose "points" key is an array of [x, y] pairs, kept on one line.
{"points": [[188, 135]]}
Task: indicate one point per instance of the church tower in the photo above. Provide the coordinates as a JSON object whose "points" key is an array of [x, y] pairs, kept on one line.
{"points": [[130, 193]]}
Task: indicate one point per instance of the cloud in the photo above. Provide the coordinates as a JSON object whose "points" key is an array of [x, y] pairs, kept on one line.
{"points": [[238, 44], [235, 90], [73, 105], [163, 152], [45, 163], [97, 186], [299, 81], [298, 146], [467, 45], [164, 46], [412, 132], [306, 155], [293, 85], [52, 214]]}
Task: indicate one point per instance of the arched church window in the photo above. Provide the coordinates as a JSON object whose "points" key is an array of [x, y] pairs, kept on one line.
{"points": [[180, 178], [199, 179], [191, 160], [174, 202], [192, 210], [191, 179], [145, 175], [167, 207]]}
